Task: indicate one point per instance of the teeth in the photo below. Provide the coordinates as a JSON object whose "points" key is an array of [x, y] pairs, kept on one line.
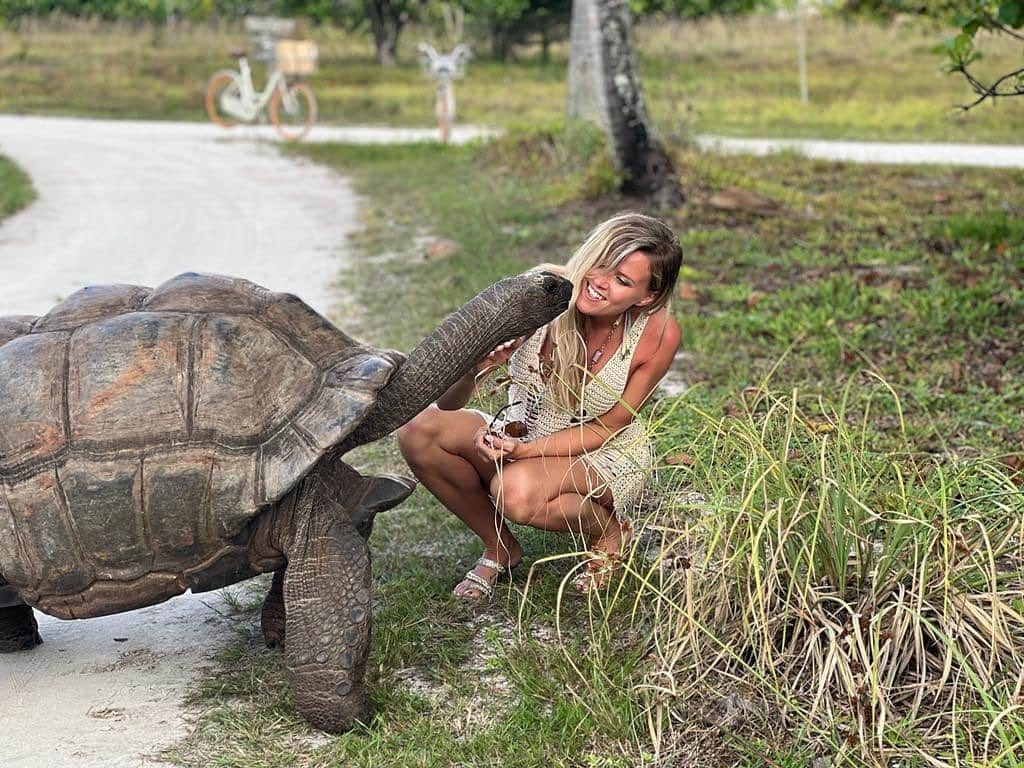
{"points": [[592, 293]]}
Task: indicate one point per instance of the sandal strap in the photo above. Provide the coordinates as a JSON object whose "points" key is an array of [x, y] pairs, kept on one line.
{"points": [[485, 587], [497, 567]]}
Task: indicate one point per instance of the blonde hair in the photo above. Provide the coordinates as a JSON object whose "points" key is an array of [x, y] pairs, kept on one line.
{"points": [[604, 249]]}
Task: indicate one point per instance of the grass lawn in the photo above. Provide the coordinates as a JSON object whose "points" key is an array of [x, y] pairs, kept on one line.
{"points": [[16, 189], [840, 471], [735, 78]]}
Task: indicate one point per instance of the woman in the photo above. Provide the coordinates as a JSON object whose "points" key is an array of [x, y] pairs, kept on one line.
{"points": [[575, 387]]}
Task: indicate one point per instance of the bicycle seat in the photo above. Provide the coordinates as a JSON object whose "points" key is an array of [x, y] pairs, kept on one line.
{"points": [[238, 53]]}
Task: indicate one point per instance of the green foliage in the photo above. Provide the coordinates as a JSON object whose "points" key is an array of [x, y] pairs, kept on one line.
{"points": [[692, 9], [514, 22], [999, 17], [148, 10], [996, 16], [994, 228]]}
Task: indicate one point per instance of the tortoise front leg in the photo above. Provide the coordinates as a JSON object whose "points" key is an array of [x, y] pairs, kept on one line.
{"points": [[18, 629], [272, 619], [327, 600]]}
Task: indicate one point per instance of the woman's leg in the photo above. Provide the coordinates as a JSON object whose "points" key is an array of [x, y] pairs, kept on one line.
{"points": [[438, 445], [558, 494], [563, 494]]}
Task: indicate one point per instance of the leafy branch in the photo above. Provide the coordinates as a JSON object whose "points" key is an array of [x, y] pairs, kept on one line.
{"points": [[1000, 17]]}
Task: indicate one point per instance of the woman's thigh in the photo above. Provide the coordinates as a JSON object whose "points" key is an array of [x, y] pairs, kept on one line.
{"points": [[533, 482], [448, 431]]}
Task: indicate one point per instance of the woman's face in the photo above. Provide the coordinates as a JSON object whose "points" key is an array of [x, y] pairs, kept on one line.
{"points": [[609, 294]]}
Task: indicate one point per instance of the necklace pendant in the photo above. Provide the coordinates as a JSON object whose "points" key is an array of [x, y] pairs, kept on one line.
{"points": [[596, 357]]}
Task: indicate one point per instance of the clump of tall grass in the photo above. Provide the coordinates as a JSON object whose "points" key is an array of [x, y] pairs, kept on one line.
{"points": [[864, 604]]}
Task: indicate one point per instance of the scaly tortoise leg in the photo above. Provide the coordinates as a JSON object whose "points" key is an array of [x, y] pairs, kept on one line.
{"points": [[327, 600], [272, 620], [18, 629]]}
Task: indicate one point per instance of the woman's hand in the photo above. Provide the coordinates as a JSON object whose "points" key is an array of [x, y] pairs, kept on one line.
{"points": [[495, 447], [498, 356]]}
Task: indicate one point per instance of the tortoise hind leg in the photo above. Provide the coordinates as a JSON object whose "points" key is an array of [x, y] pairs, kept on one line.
{"points": [[272, 619], [327, 600], [18, 629]]}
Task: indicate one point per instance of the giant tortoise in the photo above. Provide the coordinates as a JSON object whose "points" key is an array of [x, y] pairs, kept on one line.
{"points": [[188, 437]]}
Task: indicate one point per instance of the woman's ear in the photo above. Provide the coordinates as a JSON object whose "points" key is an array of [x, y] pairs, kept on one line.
{"points": [[649, 299]]}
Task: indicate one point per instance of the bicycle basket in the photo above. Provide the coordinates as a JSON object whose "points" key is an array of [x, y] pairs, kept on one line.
{"points": [[296, 57]]}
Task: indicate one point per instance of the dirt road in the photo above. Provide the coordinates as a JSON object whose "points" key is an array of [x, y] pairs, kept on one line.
{"points": [[141, 202]]}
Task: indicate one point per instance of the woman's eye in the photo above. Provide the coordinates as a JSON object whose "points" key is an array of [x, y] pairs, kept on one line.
{"points": [[623, 281]]}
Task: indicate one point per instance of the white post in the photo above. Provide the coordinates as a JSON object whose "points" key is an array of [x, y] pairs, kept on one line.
{"points": [[801, 49]]}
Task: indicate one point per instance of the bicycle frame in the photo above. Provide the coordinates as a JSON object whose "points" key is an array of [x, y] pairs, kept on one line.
{"points": [[248, 104]]}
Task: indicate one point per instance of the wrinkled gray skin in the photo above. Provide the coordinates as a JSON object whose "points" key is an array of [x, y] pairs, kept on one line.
{"points": [[69, 557]]}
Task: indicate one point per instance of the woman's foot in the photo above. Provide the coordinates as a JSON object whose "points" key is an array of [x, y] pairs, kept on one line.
{"points": [[604, 557], [491, 566]]}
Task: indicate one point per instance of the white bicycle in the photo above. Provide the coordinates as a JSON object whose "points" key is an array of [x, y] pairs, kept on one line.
{"points": [[231, 97]]}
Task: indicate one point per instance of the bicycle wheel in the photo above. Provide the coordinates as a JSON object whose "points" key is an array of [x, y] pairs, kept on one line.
{"points": [[220, 85], [293, 111]]}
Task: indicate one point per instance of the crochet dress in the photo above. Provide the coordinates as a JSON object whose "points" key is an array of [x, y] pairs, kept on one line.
{"points": [[624, 461]]}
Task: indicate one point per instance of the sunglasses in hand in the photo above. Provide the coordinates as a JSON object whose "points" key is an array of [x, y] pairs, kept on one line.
{"points": [[514, 429]]}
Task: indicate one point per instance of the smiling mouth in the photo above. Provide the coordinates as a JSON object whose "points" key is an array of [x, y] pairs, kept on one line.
{"points": [[592, 294]]}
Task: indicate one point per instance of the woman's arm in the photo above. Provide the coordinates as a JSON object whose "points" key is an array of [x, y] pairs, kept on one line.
{"points": [[458, 394], [573, 441]]}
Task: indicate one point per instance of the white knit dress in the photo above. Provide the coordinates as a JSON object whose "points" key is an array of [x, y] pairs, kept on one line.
{"points": [[624, 461]]}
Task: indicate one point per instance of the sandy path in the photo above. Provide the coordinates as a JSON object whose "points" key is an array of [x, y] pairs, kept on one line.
{"points": [[884, 152], [107, 692], [140, 202]]}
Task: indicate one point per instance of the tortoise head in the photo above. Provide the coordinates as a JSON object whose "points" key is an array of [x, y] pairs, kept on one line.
{"points": [[507, 309]]}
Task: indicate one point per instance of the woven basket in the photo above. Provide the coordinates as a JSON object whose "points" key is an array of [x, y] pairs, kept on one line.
{"points": [[296, 57]]}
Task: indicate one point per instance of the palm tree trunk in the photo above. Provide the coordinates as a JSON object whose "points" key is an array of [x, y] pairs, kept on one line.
{"points": [[604, 87]]}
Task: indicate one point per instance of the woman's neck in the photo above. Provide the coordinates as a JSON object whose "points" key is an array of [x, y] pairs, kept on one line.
{"points": [[602, 324]]}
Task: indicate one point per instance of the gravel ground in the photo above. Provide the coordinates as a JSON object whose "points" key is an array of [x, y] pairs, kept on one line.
{"points": [[139, 203]]}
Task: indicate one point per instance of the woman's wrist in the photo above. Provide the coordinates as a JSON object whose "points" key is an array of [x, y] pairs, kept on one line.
{"points": [[526, 450]]}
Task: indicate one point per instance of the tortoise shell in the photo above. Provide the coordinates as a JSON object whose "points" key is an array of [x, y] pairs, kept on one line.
{"points": [[142, 431]]}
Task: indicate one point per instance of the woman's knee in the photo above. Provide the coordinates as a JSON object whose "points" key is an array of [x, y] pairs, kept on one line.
{"points": [[518, 497], [420, 434]]}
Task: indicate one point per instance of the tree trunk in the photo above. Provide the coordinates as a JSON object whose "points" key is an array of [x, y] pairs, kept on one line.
{"points": [[501, 42], [385, 24], [604, 87]]}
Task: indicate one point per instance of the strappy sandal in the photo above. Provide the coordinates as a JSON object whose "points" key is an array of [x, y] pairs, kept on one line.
{"points": [[598, 571], [485, 587], [600, 568]]}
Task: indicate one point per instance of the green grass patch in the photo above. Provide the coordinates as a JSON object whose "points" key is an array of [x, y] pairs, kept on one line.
{"points": [[735, 77], [16, 190], [838, 475]]}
